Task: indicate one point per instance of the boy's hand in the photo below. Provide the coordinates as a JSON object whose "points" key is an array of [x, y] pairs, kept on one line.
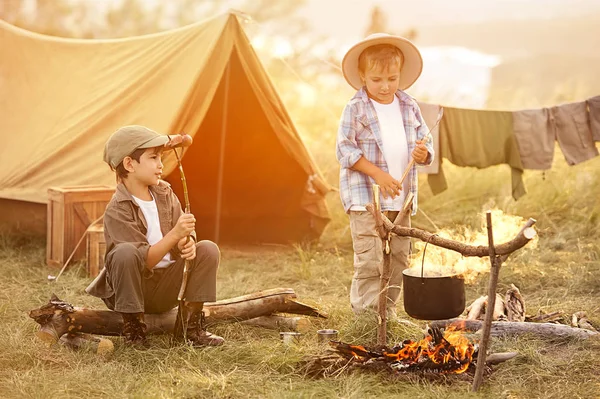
{"points": [[388, 186], [179, 140], [188, 250], [185, 225], [420, 152]]}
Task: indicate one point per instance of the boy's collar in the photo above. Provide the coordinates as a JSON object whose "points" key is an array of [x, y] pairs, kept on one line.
{"points": [[121, 193], [402, 96]]}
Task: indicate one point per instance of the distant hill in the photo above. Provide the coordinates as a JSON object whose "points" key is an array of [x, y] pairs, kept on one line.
{"points": [[579, 36], [543, 80], [544, 62]]}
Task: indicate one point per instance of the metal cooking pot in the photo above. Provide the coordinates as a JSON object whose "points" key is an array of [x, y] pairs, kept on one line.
{"points": [[432, 297]]}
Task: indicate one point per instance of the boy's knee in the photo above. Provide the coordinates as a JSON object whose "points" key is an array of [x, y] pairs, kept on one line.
{"points": [[207, 251], [125, 254]]}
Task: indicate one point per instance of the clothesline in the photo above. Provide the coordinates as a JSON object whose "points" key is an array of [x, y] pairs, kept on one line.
{"points": [[522, 139]]}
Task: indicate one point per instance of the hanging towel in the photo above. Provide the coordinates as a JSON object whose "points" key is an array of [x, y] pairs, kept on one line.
{"points": [[594, 109], [535, 138], [573, 132], [481, 139], [430, 113]]}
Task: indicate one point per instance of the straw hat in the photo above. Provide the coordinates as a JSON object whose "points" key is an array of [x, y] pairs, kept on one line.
{"points": [[410, 71]]}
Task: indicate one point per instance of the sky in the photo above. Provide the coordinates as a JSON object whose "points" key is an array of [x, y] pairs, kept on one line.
{"points": [[347, 19]]}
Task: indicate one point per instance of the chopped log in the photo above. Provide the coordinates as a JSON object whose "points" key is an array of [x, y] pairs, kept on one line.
{"points": [[526, 234], [516, 328], [579, 319], [496, 358], [476, 308], [58, 317], [499, 307], [280, 323], [515, 305], [77, 341], [545, 317]]}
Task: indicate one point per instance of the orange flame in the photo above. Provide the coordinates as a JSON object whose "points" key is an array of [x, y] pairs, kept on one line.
{"points": [[452, 354]]}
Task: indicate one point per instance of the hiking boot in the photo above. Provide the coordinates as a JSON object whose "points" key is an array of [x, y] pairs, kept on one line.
{"points": [[134, 330], [196, 333]]}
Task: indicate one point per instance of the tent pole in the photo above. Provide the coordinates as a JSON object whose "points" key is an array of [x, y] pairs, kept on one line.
{"points": [[222, 158]]}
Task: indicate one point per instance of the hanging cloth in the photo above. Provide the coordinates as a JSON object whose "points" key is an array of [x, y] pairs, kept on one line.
{"points": [[594, 109], [480, 139], [573, 132]]}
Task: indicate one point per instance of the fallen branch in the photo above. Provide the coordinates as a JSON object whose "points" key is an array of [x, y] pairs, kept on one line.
{"points": [[540, 318], [57, 317], [516, 328]]}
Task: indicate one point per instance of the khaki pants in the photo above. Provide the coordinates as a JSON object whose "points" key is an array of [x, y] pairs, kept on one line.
{"points": [[368, 261], [138, 289]]}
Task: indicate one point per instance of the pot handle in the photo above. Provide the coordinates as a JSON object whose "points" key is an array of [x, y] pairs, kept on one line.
{"points": [[423, 259]]}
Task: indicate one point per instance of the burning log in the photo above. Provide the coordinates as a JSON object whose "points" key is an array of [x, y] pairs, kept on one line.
{"points": [[57, 317], [439, 353], [447, 352], [515, 305], [515, 328]]}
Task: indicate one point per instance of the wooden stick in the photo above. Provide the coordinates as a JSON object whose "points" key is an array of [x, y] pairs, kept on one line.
{"points": [[496, 358], [385, 270], [526, 234], [489, 314], [553, 316], [280, 323]]}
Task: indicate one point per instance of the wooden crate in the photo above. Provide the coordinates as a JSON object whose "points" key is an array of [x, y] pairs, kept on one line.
{"points": [[70, 211], [95, 249]]}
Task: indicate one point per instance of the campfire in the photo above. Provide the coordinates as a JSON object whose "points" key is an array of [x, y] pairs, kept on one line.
{"points": [[443, 353], [448, 352]]}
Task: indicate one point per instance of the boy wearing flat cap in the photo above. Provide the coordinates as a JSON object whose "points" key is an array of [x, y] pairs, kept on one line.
{"points": [[147, 243], [380, 129]]}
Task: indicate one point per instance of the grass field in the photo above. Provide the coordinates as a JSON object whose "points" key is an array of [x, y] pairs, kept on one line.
{"points": [[560, 272]]}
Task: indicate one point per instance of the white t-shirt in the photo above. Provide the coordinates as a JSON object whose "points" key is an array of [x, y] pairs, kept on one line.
{"points": [[395, 147], [154, 234]]}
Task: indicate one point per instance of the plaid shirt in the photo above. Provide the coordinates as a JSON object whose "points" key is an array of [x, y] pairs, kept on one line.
{"points": [[359, 135]]}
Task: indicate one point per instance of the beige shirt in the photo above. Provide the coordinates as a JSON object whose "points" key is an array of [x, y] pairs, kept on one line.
{"points": [[573, 132], [594, 109]]}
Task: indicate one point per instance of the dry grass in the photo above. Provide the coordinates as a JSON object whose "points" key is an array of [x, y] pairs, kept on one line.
{"points": [[561, 273]]}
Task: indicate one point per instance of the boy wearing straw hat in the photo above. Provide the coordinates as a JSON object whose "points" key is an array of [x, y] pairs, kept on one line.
{"points": [[380, 129]]}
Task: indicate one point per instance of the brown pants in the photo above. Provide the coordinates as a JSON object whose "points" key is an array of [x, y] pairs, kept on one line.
{"points": [[138, 289], [368, 262]]}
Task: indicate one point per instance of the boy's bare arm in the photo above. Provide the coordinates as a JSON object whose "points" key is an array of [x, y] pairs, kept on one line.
{"points": [[388, 186], [184, 226]]}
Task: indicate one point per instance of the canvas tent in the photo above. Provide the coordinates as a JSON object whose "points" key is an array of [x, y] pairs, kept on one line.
{"points": [[249, 174]]}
